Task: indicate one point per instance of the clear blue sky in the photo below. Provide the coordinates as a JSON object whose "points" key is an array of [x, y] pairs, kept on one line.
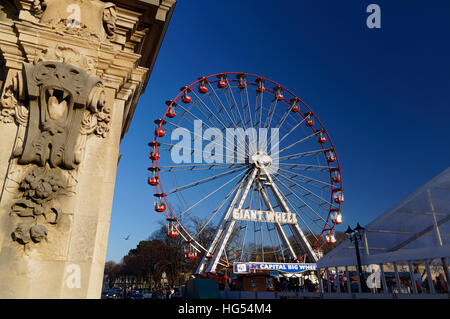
{"points": [[383, 95]]}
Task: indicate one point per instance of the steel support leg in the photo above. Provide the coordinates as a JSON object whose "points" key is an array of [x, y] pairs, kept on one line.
{"points": [[278, 227], [295, 228], [226, 235], [203, 263]]}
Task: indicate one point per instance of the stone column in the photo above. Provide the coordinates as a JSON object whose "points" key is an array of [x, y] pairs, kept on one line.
{"points": [[71, 73]]}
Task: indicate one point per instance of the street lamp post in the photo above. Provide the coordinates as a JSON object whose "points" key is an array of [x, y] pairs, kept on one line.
{"points": [[355, 235]]}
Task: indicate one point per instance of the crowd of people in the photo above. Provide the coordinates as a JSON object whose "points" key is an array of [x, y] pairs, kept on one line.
{"points": [[280, 284], [301, 284]]}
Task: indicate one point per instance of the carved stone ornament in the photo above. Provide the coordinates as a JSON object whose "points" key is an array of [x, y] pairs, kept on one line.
{"points": [[64, 102], [68, 55], [86, 18], [38, 204], [57, 106], [58, 95]]}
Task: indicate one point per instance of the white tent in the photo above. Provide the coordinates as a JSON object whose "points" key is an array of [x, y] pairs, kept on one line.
{"points": [[416, 228]]}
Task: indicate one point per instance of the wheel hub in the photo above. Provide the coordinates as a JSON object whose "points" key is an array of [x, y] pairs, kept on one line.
{"points": [[261, 159]]}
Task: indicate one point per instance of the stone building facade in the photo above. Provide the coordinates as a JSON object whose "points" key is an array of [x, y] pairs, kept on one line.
{"points": [[71, 73]]}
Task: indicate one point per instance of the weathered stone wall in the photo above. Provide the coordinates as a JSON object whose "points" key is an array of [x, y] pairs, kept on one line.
{"points": [[72, 75]]}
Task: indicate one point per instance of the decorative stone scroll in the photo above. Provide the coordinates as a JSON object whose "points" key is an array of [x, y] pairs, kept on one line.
{"points": [[9, 107]]}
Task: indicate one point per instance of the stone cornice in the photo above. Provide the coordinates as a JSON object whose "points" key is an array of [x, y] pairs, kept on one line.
{"points": [[9, 47], [153, 23]]}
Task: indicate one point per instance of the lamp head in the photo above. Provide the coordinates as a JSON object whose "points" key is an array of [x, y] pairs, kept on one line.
{"points": [[349, 231], [359, 229]]}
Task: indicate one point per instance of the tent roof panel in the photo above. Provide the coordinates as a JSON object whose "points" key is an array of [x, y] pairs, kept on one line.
{"points": [[406, 227]]}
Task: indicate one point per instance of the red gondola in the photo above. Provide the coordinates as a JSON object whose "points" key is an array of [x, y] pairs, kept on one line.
{"points": [[260, 85], [295, 107], [338, 196], [171, 112], [186, 97], [336, 175], [322, 137], [309, 120], [189, 251], [154, 156], [153, 180], [222, 81], [160, 132], [330, 156], [172, 231], [203, 88], [278, 92], [172, 234], [241, 81], [160, 207]]}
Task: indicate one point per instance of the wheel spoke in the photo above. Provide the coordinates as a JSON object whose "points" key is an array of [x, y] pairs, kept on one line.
{"points": [[214, 212], [300, 155], [290, 131], [296, 143], [211, 193], [201, 137], [305, 167], [198, 167], [314, 221], [231, 119], [203, 123], [299, 198], [235, 105], [211, 178], [294, 175], [248, 107], [308, 191]]}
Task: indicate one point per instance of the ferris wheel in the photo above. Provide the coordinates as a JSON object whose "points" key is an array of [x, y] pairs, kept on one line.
{"points": [[245, 172]]}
